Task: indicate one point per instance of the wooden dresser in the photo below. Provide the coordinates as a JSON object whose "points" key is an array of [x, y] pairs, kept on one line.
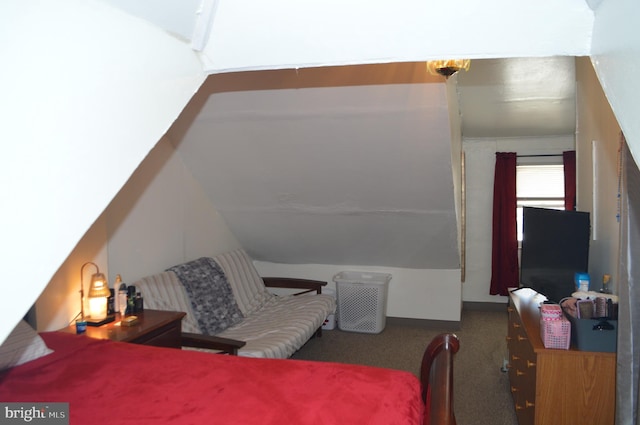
{"points": [[552, 386]]}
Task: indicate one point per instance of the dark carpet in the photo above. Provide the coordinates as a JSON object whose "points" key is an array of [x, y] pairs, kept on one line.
{"points": [[481, 395]]}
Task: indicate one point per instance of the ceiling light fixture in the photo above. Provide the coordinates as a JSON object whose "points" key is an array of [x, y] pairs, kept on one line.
{"points": [[449, 67]]}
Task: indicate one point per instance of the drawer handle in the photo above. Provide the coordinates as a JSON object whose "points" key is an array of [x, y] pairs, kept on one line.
{"points": [[516, 325], [508, 338], [531, 364], [514, 358], [521, 338], [518, 407], [514, 389], [510, 309], [528, 404], [519, 372]]}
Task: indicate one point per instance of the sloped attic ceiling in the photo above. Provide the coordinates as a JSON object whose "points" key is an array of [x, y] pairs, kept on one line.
{"points": [[518, 97], [340, 165]]}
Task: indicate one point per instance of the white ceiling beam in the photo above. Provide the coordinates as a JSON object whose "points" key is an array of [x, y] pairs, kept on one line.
{"points": [[252, 34], [205, 17]]}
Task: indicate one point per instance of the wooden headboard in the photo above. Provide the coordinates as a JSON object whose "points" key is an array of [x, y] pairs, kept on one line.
{"points": [[436, 376]]}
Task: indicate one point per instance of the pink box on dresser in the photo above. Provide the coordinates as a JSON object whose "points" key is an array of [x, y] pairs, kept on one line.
{"points": [[555, 329]]}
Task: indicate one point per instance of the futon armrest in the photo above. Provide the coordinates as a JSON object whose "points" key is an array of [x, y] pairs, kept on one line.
{"points": [[289, 282], [226, 345]]}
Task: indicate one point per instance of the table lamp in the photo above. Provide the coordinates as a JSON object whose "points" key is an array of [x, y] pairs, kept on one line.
{"points": [[98, 295]]}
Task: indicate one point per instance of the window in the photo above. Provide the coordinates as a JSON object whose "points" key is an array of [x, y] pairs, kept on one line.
{"points": [[539, 186]]}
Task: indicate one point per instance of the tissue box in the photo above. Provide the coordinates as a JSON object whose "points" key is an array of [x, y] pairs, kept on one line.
{"points": [[555, 333]]}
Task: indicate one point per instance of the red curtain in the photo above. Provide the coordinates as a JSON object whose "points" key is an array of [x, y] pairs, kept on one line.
{"points": [[504, 260], [569, 161]]}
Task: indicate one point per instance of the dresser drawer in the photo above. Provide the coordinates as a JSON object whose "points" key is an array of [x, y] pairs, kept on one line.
{"points": [[522, 369], [167, 336]]}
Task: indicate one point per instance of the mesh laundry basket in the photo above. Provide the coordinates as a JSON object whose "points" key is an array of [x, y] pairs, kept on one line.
{"points": [[362, 301]]}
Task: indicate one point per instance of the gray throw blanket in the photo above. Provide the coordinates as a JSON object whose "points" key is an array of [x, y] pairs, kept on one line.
{"points": [[214, 306]]}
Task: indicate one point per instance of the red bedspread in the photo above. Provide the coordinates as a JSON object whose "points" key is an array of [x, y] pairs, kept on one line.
{"points": [[118, 383]]}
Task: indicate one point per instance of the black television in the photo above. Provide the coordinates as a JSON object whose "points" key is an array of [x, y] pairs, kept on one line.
{"points": [[555, 246]]}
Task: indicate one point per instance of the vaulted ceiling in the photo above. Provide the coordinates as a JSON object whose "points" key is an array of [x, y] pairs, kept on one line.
{"points": [[353, 164]]}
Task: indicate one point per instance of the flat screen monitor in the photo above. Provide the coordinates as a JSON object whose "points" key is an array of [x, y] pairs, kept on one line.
{"points": [[555, 246]]}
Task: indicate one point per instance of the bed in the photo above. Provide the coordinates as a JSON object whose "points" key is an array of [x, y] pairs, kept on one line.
{"points": [[108, 382]]}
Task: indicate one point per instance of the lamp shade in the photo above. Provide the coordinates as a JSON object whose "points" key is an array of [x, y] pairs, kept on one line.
{"points": [[98, 294]]}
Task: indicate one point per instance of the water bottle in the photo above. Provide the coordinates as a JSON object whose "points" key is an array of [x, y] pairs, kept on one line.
{"points": [[582, 282], [122, 299], [116, 286], [131, 299]]}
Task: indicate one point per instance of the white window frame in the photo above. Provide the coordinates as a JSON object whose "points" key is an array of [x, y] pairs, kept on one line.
{"points": [[552, 201]]}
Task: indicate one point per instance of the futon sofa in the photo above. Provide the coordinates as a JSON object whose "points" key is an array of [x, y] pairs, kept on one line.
{"points": [[229, 306]]}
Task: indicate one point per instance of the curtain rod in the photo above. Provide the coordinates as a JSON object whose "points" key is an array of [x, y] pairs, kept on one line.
{"points": [[537, 156]]}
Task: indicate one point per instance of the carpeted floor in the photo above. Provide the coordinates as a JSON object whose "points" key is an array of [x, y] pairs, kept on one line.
{"points": [[481, 396]]}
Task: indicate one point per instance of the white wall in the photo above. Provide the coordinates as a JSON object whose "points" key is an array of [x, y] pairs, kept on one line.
{"points": [[614, 51], [176, 16], [480, 167], [75, 77], [160, 218], [457, 162], [616, 61], [59, 303], [413, 293], [598, 143]]}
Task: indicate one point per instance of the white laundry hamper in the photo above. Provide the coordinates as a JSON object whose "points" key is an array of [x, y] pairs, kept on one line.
{"points": [[362, 301]]}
